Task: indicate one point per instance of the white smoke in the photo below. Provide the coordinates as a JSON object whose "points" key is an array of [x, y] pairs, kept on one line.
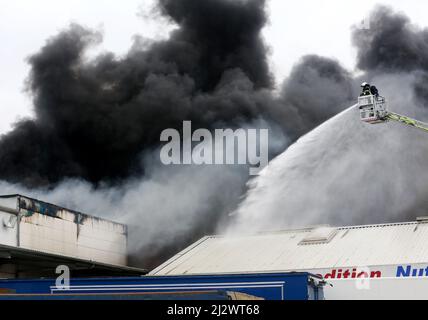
{"points": [[169, 206], [164, 207], [345, 172]]}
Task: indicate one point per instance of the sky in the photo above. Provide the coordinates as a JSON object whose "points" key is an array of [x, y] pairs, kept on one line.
{"points": [[295, 28]]}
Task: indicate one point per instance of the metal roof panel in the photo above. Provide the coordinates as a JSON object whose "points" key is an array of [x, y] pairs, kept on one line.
{"points": [[353, 246]]}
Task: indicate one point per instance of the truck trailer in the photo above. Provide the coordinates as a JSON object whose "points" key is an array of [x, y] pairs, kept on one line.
{"points": [[268, 286]]}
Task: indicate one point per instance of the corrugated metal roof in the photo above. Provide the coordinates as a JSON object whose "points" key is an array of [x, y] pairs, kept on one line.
{"points": [[371, 245]]}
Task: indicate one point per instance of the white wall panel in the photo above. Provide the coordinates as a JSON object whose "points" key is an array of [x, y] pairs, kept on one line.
{"points": [[8, 235]]}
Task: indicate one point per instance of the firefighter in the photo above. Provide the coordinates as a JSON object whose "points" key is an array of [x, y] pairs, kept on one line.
{"points": [[374, 91], [365, 89]]}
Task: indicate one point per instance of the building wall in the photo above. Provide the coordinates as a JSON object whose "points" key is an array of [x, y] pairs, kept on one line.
{"points": [[102, 240], [8, 229], [377, 289], [51, 229], [48, 234], [90, 239]]}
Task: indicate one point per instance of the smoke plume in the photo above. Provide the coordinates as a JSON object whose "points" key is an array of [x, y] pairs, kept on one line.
{"points": [[317, 89], [93, 142]]}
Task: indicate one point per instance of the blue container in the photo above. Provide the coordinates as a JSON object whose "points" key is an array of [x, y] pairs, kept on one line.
{"points": [[269, 286]]}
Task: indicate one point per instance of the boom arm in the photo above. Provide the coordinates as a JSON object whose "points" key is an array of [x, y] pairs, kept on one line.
{"points": [[408, 121]]}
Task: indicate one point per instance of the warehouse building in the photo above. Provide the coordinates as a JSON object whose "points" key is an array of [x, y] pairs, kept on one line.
{"points": [[385, 261], [36, 237]]}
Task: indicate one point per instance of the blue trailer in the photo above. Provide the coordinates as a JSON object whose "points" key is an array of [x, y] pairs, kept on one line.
{"points": [[168, 296], [269, 286]]}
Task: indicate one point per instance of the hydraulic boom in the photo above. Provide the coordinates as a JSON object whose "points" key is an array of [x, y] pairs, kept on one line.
{"points": [[406, 120]]}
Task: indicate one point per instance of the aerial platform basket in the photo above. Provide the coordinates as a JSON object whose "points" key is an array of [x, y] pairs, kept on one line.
{"points": [[373, 109]]}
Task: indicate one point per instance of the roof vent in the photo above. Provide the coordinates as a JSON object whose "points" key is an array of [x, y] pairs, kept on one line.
{"points": [[422, 219], [319, 235]]}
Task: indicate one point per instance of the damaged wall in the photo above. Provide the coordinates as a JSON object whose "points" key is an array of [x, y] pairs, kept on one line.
{"points": [[44, 227]]}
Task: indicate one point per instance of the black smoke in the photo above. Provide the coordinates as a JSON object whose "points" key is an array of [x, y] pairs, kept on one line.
{"points": [[391, 44], [317, 89], [216, 36], [96, 117]]}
